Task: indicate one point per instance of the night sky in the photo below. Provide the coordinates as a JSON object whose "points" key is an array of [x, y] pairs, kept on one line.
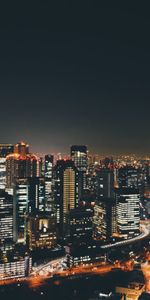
{"points": [[73, 73]]}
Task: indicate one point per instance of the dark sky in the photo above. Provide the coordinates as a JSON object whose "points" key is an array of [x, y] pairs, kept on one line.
{"points": [[73, 73]]}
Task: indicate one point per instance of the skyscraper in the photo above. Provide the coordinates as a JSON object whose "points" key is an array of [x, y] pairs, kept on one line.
{"points": [[104, 219], [21, 164], [5, 149], [104, 183], [29, 197], [128, 211], [79, 156], [20, 207], [65, 191], [48, 172], [36, 194], [41, 230], [21, 148], [128, 177], [80, 223], [6, 218]]}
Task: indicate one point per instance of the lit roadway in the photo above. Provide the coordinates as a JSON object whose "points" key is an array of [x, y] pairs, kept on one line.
{"points": [[88, 269], [57, 267], [145, 232], [37, 279]]}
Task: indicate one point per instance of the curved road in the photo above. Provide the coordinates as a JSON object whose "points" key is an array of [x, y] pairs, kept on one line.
{"points": [[145, 232], [56, 265]]}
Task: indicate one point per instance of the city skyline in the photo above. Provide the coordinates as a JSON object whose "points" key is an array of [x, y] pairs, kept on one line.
{"points": [[67, 218], [75, 75]]}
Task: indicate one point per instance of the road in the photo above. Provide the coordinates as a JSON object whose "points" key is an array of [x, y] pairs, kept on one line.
{"points": [[89, 269], [145, 232], [57, 266]]}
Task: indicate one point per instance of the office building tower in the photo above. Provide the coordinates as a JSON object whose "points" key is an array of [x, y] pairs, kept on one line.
{"points": [[5, 149], [65, 191], [41, 231], [6, 218], [20, 208], [128, 177], [48, 175], [21, 164], [36, 194], [29, 197], [21, 148], [79, 156], [128, 211], [104, 219], [104, 183], [41, 166], [80, 221]]}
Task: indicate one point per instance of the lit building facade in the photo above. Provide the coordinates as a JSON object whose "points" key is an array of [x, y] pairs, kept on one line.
{"points": [[80, 225], [20, 208], [15, 268], [84, 253], [5, 149], [80, 159], [128, 212], [36, 194], [6, 218], [29, 196], [41, 231], [79, 156], [48, 175], [21, 164], [104, 219], [128, 177], [104, 183], [65, 191]]}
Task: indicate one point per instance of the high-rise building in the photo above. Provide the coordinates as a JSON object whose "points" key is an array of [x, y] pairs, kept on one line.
{"points": [[29, 196], [41, 230], [5, 149], [128, 211], [128, 177], [65, 191], [6, 218], [21, 164], [20, 208], [36, 194], [79, 156], [48, 175], [80, 223], [104, 183], [104, 219], [21, 148]]}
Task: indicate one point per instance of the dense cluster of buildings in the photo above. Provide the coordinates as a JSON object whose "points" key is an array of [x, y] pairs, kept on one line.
{"points": [[78, 203]]}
